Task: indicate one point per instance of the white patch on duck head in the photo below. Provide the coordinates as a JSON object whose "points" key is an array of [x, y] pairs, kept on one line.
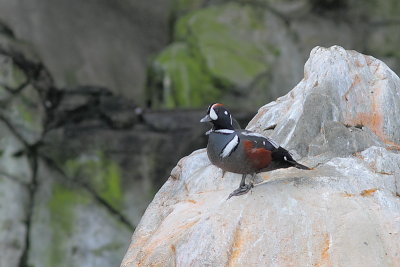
{"points": [[213, 114]]}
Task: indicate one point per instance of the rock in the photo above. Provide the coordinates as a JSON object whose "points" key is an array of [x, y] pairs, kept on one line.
{"points": [[203, 65], [70, 227], [13, 208], [256, 49], [342, 119], [79, 165], [358, 96], [57, 209], [94, 43]]}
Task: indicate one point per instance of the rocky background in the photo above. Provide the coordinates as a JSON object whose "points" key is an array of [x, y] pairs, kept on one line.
{"points": [[97, 102]]}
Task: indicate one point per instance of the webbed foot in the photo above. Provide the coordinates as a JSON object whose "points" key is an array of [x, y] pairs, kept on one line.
{"points": [[243, 189]]}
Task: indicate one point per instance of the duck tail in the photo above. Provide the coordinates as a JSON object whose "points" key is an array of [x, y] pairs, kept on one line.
{"points": [[284, 155], [298, 165]]}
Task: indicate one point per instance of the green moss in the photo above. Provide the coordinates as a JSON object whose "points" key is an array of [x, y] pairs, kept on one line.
{"points": [[218, 50], [18, 77], [102, 174], [112, 178], [11, 76], [25, 114], [227, 38], [61, 207], [62, 218], [185, 82]]}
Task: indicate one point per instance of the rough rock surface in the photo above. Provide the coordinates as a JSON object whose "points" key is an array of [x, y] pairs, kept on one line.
{"points": [[258, 47], [100, 43], [78, 167], [342, 118], [254, 47]]}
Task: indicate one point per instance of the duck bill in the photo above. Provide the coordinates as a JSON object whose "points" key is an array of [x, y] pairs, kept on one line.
{"points": [[206, 119]]}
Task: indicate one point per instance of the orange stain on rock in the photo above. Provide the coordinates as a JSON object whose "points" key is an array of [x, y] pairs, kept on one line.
{"points": [[394, 147], [358, 155], [236, 247], [348, 195], [359, 64], [173, 248], [148, 249], [265, 176], [325, 251], [373, 119], [325, 256], [385, 173], [368, 192], [192, 201], [188, 225]]}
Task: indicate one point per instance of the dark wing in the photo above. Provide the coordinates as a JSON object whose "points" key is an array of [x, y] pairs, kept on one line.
{"points": [[259, 141], [279, 154]]}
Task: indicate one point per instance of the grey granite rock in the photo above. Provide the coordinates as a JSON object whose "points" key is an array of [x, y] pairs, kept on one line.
{"points": [[13, 210], [341, 118], [343, 94]]}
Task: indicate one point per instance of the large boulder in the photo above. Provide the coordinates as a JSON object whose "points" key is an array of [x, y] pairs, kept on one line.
{"points": [[342, 120]]}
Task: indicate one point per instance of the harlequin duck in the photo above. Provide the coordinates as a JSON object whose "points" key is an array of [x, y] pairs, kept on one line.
{"points": [[242, 151]]}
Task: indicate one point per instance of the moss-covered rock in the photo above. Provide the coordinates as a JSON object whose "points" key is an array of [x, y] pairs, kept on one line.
{"points": [[232, 50], [62, 206], [70, 228], [19, 102], [185, 82], [102, 174], [206, 65]]}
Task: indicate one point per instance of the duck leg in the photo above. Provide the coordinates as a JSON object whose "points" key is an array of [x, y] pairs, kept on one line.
{"points": [[243, 187]]}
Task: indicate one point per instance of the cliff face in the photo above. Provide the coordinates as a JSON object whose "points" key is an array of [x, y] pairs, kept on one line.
{"points": [[78, 167], [244, 53], [342, 120], [93, 42], [198, 51]]}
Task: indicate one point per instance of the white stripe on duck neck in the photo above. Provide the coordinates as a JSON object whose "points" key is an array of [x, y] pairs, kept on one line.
{"points": [[224, 131]]}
